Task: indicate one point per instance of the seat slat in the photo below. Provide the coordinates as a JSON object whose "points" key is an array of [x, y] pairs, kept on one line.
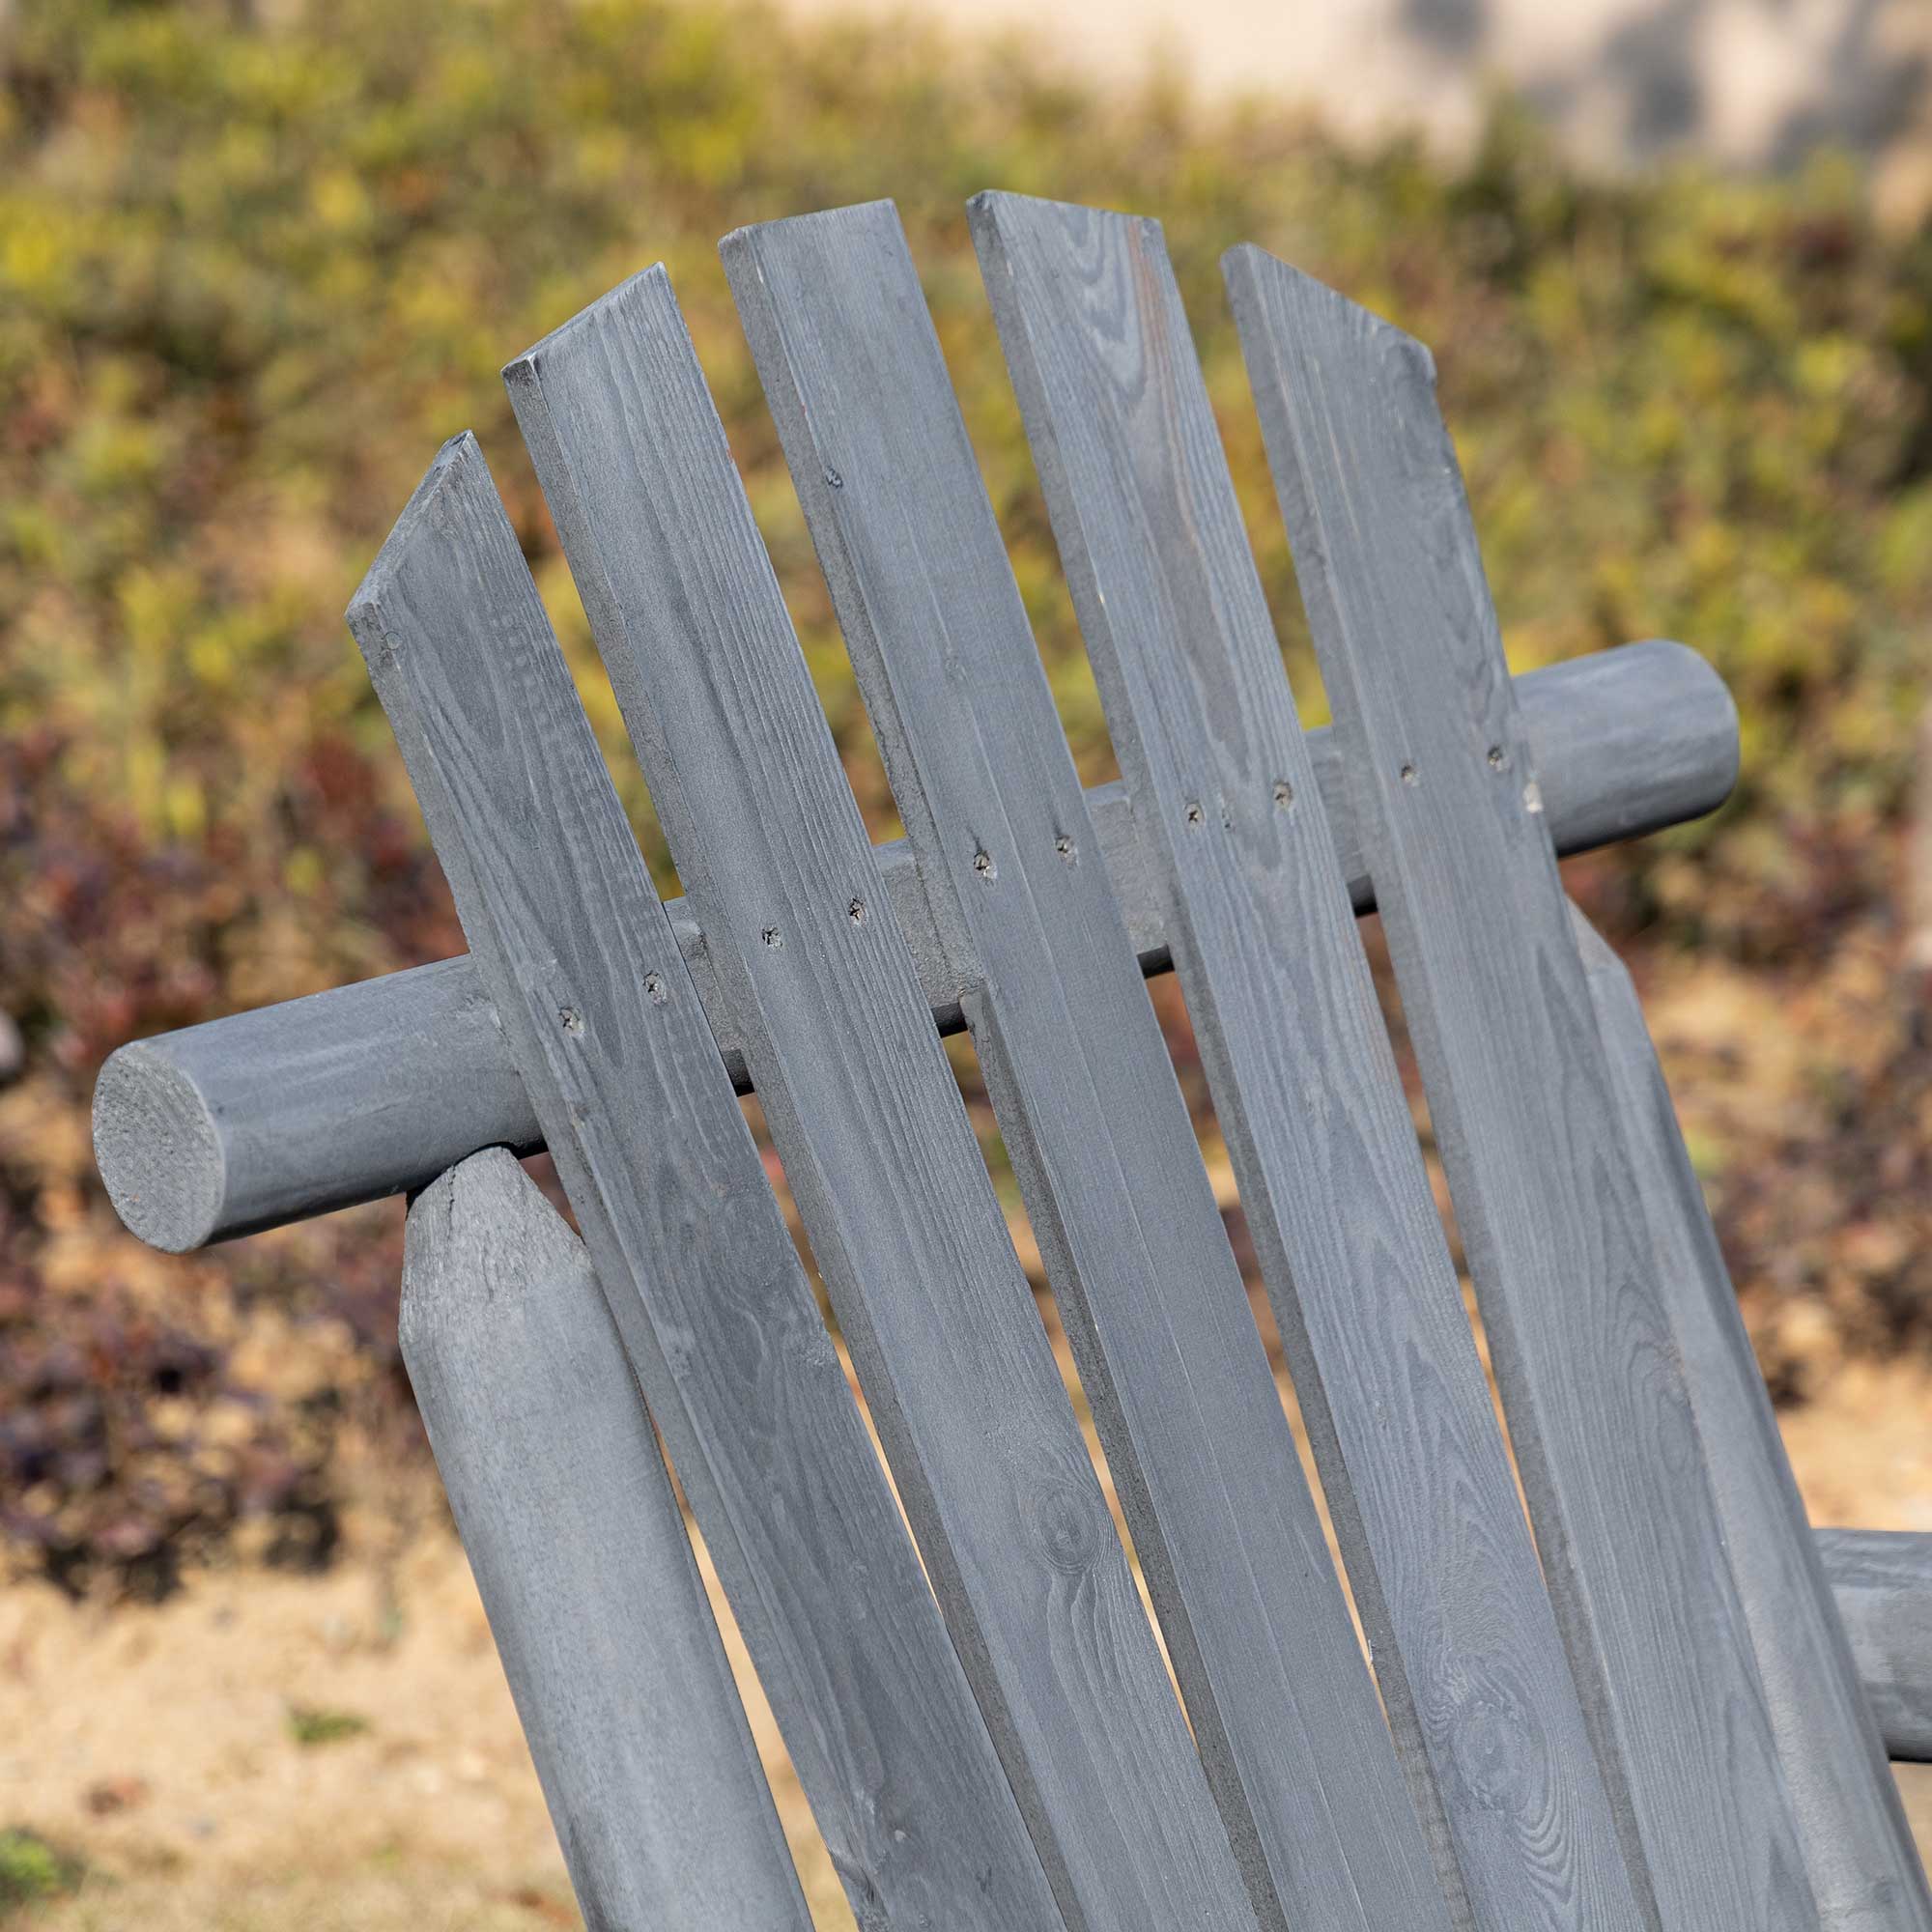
{"points": [[1519, 1090], [1304, 1082], [583, 1565], [1858, 1845], [1283, 1707], [868, 1118], [707, 1290]]}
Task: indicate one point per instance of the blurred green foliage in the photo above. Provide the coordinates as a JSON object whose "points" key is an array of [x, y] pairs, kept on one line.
{"points": [[253, 270], [311, 1724], [32, 1870], [252, 276]]}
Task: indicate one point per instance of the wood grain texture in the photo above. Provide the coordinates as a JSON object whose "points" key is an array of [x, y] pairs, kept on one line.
{"points": [[706, 1289], [562, 1501], [1857, 1846], [1883, 1584], [1305, 1084], [868, 1118], [1449, 808], [265, 1117], [1284, 1712]]}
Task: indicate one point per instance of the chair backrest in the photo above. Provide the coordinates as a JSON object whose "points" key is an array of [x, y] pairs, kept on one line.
{"points": [[1669, 1734]]}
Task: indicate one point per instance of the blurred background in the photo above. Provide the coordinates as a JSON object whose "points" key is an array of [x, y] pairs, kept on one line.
{"points": [[258, 259]]}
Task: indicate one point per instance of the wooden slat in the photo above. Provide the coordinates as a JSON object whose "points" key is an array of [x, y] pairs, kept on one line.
{"points": [[716, 1311], [1857, 1846], [1304, 1082], [562, 1500], [868, 1120], [1283, 1709], [1883, 1584], [1519, 1087]]}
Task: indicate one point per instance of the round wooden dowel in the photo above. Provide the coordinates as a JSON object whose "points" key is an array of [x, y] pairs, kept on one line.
{"points": [[267, 1117]]}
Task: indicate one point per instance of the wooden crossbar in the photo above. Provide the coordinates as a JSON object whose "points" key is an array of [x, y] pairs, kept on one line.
{"points": [[1882, 1581], [259, 1118]]}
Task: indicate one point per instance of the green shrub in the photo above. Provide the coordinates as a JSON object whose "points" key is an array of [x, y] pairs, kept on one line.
{"points": [[252, 276], [32, 1870], [310, 1725]]}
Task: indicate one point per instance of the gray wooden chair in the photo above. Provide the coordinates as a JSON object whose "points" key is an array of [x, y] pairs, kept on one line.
{"points": [[1646, 1714]]}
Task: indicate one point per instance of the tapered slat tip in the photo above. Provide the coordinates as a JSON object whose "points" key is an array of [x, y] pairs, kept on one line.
{"points": [[459, 465], [649, 288], [990, 215], [998, 218], [1600, 958], [1249, 258], [1000, 208], [461, 1229], [855, 217], [1008, 207], [1267, 291]]}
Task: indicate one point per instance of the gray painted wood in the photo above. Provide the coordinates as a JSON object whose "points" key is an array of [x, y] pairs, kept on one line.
{"points": [[1857, 1846], [1449, 808], [868, 1120], [1304, 1082], [580, 1552], [261, 1118], [707, 1291], [1883, 1582], [1283, 1709]]}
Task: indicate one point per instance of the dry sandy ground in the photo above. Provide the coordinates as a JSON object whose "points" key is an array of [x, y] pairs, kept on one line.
{"points": [[159, 1744]]}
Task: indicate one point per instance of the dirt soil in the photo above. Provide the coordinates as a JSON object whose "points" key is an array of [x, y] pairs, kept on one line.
{"points": [[266, 1752]]}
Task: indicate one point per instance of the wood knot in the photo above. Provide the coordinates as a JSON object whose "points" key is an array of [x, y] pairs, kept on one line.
{"points": [[1068, 1520]]}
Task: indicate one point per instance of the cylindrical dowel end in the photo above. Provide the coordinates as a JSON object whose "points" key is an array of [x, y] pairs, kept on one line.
{"points": [[1629, 740], [158, 1150]]}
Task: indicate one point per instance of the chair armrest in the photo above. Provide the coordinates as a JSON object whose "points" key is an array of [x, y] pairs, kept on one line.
{"points": [[1883, 1584]]}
